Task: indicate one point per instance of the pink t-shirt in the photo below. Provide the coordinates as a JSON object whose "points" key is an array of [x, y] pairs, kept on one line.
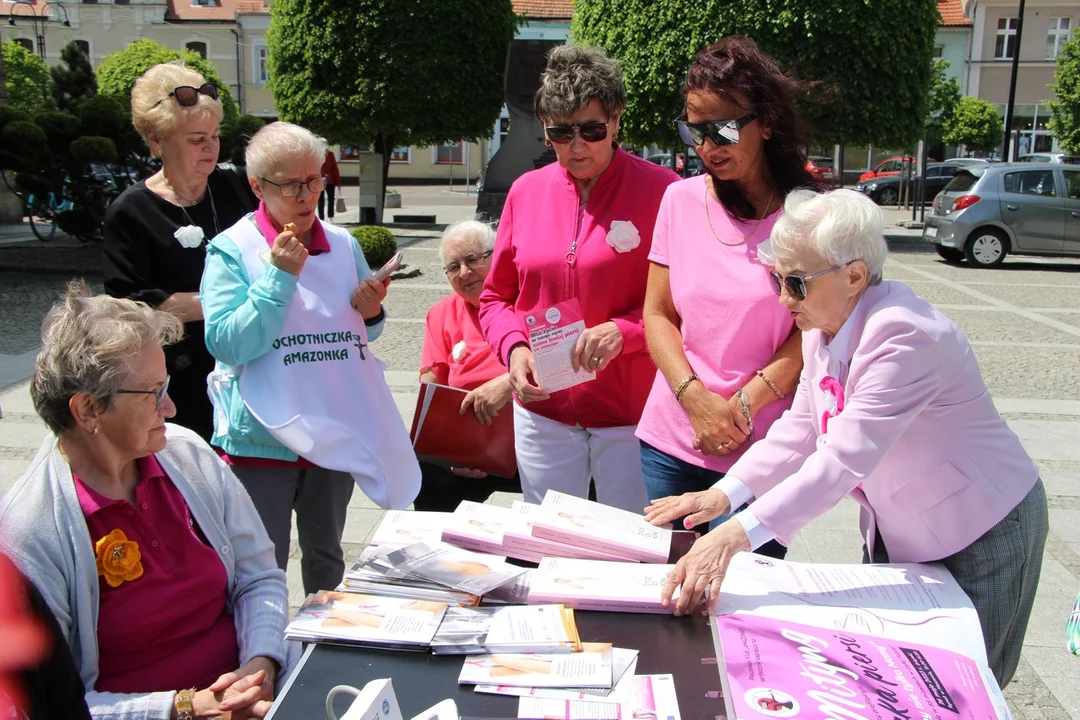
{"points": [[455, 348], [732, 323]]}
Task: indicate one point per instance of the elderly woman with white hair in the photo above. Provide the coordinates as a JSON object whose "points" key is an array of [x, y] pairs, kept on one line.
{"points": [[156, 231], [890, 409], [144, 545], [301, 406], [456, 354]]}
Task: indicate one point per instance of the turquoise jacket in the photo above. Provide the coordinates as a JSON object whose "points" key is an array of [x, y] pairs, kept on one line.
{"points": [[242, 319]]}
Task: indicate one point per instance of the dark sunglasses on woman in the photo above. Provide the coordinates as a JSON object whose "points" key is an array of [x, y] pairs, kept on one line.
{"points": [[186, 95], [721, 132], [796, 284], [590, 132]]}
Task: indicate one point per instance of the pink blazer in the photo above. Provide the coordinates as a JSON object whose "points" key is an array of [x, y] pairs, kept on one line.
{"points": [[938, 467]]}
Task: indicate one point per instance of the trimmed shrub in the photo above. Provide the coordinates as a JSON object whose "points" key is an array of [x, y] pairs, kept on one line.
{"points": [[377, 243]]}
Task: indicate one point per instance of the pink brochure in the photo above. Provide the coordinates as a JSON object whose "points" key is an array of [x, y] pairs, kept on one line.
{"points": [[779, 669], [553, 332]]}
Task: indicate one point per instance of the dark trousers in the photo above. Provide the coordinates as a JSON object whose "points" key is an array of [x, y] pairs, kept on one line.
{"points": [[327, 195], [442, 490]]}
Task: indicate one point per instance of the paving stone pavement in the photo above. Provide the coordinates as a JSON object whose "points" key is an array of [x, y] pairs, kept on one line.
{"points": [[1023, 321]]}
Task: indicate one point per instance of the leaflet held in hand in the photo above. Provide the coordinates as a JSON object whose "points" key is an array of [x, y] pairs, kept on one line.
{"points": [[553, 333]]}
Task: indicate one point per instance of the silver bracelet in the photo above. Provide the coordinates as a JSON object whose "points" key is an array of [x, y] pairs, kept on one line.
{"points": [[746, 411]]}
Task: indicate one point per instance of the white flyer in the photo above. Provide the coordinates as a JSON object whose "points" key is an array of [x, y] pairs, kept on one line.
{"points": [[553, 333], [652, 697]]}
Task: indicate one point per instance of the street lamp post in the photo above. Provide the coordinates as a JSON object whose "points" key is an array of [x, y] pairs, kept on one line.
{"points": [[39, 19], [1012, 83]]}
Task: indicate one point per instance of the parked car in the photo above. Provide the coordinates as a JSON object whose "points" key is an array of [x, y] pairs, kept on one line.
{"points": [[891, 166], [989, 211], [1050, 158], [685, 165], [963, 161], [822, 168], [886, 190]]}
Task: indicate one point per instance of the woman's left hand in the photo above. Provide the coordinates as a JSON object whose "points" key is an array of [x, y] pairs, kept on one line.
{"points": [[368, 296], [597, 347], [702, 569], [488, 399], [247, 692]]}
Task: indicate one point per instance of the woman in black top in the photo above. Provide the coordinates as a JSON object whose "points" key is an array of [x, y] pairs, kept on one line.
{"points": [[156, 231]]}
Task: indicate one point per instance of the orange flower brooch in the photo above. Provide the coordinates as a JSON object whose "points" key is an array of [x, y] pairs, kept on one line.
{"points": [[118, 559]]}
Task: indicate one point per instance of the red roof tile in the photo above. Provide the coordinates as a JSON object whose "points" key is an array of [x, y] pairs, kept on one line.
{"points": [[952, 14], [545, 9]]}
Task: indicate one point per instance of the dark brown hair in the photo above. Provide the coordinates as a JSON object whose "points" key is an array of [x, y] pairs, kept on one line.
{"points": [[737, 64]]}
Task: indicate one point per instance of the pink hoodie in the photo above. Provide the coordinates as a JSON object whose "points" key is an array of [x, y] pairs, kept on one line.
{"points": [[539, 223]]}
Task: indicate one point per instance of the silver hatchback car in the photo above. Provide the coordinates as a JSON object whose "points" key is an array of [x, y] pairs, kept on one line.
{"points": [[989, 211]]}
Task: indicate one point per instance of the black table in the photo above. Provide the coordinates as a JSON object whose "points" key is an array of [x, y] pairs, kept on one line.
{"points": [[682, 647]]}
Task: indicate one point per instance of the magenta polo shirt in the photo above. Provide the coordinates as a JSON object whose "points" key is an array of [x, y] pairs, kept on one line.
{"points": [[732, 322], [171, 628]]}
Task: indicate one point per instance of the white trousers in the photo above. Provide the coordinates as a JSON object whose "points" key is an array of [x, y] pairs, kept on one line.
{"points": [[555, 456]]}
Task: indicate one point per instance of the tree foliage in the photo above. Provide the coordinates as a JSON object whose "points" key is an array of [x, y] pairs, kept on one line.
{"points": [[28, 84], [410, 72], [74, 80], [1065, 107], [975, 124], [944, 95], [873, 58]]}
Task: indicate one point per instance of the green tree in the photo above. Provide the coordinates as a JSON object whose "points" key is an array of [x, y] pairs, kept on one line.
{"points": [[118, 72], [234, 141], [975, 124], [410, 72], [873, 58], [1065, 107], [28, 84], [944, 95], [73, 81]]}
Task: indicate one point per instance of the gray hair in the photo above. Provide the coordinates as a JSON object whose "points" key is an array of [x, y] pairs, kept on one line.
{"points": [[576, 75], [841, 226], [483, 232], [276, 145], [87, 342]]}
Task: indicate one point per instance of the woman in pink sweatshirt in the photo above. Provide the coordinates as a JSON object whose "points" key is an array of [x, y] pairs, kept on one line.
{"points": [[571, 264]]}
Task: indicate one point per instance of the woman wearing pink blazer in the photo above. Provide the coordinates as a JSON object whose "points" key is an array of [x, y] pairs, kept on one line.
{"points": [[891, 409]]}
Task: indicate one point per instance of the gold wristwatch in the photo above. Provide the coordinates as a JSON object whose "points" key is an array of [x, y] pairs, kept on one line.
{"points": [[185, 708]]}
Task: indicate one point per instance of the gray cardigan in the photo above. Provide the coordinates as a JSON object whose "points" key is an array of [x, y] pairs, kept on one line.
{"points": [[43, 529]]}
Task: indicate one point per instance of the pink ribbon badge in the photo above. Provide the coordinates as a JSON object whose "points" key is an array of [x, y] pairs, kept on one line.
{"points": [[834, 400]]}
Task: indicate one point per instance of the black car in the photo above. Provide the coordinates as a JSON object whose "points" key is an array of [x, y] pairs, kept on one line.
{"points": [[886, 190]]}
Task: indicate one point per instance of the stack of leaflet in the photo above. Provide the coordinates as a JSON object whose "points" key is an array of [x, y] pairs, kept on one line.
{"points": [[598, 585], [405, 527], [453, 568], [490, 630], [592, 668], [368, 620], [575, 521], [636, 697], [374, 573]]}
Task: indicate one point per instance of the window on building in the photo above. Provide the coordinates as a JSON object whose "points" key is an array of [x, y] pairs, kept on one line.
{"points": [[450, 154], [1060, 28], [262, 62], [26, 43], [939, 51], [400, 154], [199, 48], [1005, 47], [205, 3]]}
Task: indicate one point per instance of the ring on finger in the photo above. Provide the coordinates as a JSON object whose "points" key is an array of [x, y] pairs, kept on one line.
{"points": [[596, 360]]}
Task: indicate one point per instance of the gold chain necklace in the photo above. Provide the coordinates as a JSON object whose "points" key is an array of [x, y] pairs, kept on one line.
{"points": [[708, 216]]}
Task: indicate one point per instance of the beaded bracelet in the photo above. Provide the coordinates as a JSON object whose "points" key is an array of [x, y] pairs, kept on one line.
{"points": [[681, 387], [771, 384]]}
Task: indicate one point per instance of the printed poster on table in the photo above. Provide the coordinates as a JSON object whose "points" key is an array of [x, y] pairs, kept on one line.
{"points": [[553, 332]]}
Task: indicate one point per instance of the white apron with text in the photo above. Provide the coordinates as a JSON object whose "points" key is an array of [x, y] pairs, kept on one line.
{"points": [[320, 391]]}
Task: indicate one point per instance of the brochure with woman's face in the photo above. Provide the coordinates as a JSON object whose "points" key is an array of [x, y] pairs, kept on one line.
{"points": [[452, 567]]}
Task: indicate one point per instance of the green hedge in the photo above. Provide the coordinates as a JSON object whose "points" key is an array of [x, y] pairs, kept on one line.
{"points": [[377, 243]]}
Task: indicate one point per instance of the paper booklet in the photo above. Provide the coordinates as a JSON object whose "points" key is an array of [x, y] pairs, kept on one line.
{"points": [[479, 527], [453, 567], [512, 593], [652, 698], [439, 431], [514, 629], [372, 574], [518, 537], [358, 619], [553, 332], [895, 606], [600, 585], [623, 665], [592, 667], [405, 527], [576, 521]]}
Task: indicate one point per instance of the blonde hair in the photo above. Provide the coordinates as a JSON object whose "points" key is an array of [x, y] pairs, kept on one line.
{"points": [[151, 116], [278, 144], [87, 342]]}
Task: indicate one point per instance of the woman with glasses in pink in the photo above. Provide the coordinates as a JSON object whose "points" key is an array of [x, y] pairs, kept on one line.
{"points": [[157, 230], [572, 258]]}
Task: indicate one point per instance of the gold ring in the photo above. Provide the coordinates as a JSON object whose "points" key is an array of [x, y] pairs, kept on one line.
{"points": [[597, 360]]}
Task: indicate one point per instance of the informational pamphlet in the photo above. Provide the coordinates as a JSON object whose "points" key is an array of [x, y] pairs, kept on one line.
{"points": [[512, 593], [624, 662], [518, 539], [553, 333], [372, 574], [354, 618], [653, 698], [453, 567], [600, 585], [399, 528], [511, 629], [592, 667], [577, 521], [478, 526]]}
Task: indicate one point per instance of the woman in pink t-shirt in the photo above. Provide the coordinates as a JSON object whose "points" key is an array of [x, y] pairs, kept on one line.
{"points": [[728, 356], [455, 353]]}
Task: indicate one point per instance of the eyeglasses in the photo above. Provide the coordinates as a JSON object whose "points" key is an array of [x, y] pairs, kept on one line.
{"points": [[186, 95], [292, 189], [159, 395], [796, 284], [590, 132], [471, 261], [721, 132]]}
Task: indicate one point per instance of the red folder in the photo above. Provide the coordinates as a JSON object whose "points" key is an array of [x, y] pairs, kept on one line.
{"points": [[440, 431]]}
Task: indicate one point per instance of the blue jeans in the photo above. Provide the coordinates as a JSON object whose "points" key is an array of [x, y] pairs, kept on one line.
{"points": [[668, 475]]}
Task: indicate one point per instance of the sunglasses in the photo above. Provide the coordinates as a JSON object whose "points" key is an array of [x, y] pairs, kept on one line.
{"points": [[293, 189], [159, 395], [721, 132], [589, 132], [186, 95], [796, 284]]}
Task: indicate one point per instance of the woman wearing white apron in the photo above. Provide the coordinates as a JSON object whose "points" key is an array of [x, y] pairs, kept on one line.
{"points": [[301, 406]]}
